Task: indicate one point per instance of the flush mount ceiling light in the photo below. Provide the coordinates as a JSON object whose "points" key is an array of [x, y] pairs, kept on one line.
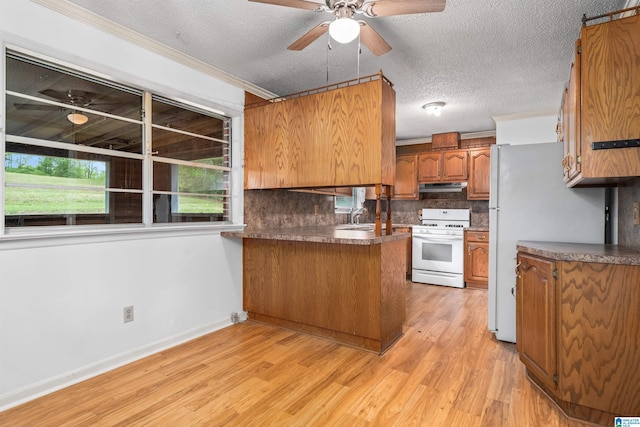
{"points": [[344, 29], [434, 108], [77, 118]]}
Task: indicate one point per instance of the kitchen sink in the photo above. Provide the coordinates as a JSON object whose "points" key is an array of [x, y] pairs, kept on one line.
{"points": [[360, 227]]}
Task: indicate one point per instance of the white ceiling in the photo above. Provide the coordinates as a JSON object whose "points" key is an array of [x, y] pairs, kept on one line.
{"points": [[483, 58]]}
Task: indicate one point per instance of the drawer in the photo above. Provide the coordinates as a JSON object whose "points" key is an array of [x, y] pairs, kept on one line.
{"points": [[477, 236]]}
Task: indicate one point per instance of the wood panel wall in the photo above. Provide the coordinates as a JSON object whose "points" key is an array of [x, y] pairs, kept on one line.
{"points": [[341, 137]]}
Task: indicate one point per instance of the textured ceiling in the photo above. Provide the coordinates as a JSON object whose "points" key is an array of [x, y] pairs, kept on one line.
{"points": [[483, 58]]}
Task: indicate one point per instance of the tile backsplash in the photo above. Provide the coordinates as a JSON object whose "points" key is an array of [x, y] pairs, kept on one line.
{"points": [[286, 209], [406, 211], [283, 208]]}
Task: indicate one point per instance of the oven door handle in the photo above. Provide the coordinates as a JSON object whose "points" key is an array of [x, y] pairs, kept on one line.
{"points": [[438, 239]]}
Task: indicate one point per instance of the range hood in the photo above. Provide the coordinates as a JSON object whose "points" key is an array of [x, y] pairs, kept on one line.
{"points": [[443, 187]]}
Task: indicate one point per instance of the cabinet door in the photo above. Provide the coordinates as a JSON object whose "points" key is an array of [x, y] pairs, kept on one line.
{"points": [[479, 174], [571, 122], [406, 185], [536, 317], [476, 270], [476, 259], [609, 97], [429, 167], [455, 165]]}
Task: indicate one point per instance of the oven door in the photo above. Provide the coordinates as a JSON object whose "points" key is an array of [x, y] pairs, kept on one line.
{"points": [[438, 251]]}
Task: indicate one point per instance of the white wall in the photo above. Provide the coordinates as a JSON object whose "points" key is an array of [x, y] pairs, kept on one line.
{"points": [[526, 129], [61, 299]]}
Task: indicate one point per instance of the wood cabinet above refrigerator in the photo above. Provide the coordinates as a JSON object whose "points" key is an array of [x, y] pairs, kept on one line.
{"points": [[600, 115], [341, 135]]}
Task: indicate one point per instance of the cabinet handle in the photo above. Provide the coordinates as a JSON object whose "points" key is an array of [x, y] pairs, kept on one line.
{"points": [[518, 270], [482, 237], [469, 249]]}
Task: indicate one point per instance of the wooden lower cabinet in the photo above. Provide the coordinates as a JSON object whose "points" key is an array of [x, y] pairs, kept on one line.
{"points": [[536, 317], [352, 293], [476, 259], [409, 246], [578, 334]]}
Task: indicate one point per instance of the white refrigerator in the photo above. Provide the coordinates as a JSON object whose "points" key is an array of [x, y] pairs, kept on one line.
{"points": [[529, 201]]}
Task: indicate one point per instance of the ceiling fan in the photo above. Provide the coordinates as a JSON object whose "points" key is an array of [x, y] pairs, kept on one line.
{"points": [[73, 98], [344, 28]]}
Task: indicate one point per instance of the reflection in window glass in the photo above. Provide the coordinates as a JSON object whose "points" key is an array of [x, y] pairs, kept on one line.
{"points": [[172, 115], [31, 77], [184, 147]]}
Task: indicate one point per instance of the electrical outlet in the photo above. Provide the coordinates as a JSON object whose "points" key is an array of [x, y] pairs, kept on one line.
{"points": [[127, 313], [636, 213], [316, 209]]}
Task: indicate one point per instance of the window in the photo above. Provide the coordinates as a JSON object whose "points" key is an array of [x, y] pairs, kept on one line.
{"points": [[191, 164], [78, 149], [350, 204]]}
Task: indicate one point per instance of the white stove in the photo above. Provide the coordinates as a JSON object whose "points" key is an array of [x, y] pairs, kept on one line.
{"points": [[438, 247]]}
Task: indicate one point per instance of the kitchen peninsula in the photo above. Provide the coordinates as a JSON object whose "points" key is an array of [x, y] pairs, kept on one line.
{"points": [[339, 282]]}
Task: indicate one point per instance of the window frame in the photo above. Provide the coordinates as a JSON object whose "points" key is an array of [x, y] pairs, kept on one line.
{"points": [[147, 156]]}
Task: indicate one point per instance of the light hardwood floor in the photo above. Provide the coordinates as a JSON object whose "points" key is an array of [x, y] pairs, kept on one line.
{"points": [[446, 370]]}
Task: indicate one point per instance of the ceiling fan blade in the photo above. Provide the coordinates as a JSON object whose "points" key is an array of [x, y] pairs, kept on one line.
{"points": [[38, 107], [405, 7], [300, 4], [372, 40], [55, 94], [310, 37]]}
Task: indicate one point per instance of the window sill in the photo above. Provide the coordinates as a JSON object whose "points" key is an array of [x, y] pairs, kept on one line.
{"points": [[23, 239]]}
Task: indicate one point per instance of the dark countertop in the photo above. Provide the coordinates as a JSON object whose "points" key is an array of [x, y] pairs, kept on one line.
{"points": [[358, 234], [582, 252], [486, 229]]}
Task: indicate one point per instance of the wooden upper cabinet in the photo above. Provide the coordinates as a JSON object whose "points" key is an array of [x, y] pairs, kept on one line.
{"points": [[536, 317], [479, 174], [443, 166], [406, 185], [429, 166], [338, 137], [607, 73], [570, 135], [455, 165]]}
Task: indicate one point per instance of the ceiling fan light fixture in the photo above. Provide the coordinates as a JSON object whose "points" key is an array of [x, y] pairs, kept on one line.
{"points": [[434, 108], [344, 30], [77, 118]]}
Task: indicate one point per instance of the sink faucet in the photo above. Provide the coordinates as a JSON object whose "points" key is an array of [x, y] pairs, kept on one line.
{"points": [[355, 214]]}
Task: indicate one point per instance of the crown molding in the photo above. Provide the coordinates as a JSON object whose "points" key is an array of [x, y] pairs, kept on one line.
{"points": [[78, 13], [526, 115]]}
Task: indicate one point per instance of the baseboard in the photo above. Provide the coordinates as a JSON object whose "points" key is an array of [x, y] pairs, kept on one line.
{"points": [[25, 394]]}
